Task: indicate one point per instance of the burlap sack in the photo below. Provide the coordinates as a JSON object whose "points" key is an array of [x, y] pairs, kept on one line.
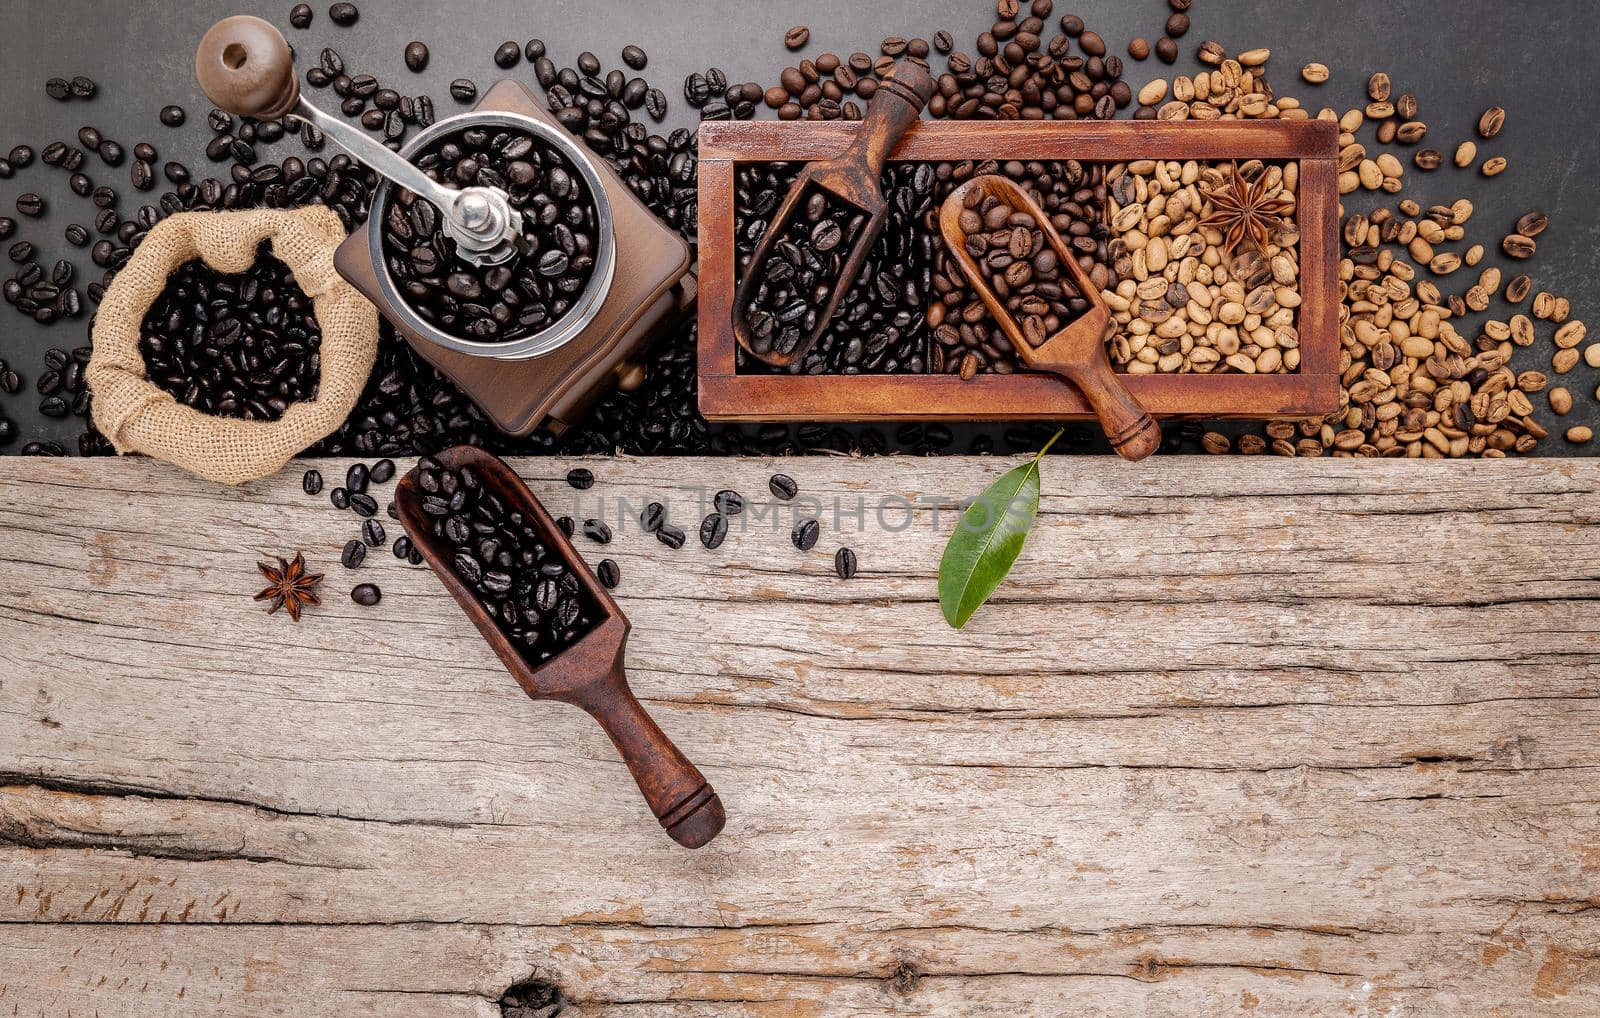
{"points": [[137, 416]]}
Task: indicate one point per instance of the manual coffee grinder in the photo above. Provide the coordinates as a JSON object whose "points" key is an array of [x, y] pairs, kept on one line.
{"points": [[641, 282]]}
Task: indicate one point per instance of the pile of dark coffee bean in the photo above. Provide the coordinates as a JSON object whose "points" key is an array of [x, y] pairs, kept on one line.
{"points": [[539, 603], [912, 310], [879, 327], [556, 257], [244, 345], [966, 341], [1021, 268], [797, 280]]}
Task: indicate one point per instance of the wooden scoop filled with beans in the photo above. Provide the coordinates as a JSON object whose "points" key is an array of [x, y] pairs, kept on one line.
{"points": [[1042, 300]]}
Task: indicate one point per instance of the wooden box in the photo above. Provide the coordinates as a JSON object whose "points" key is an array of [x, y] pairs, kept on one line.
{"points": [[727, 395]]}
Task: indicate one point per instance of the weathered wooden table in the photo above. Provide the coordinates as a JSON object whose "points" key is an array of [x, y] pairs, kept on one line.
{"points": [[1303, 737]]}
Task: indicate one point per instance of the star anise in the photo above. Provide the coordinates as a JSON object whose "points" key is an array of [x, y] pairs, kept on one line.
{"points": [[1240, 209], [290, 586]]}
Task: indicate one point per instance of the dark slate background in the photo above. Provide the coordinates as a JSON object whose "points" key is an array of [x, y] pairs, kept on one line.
{"points": [[1533, 57]]}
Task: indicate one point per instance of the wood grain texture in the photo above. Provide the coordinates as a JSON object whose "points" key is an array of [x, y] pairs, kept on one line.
{"points": [[1298, 737]]}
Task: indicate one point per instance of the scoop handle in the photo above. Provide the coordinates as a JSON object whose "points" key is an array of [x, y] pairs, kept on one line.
{"points": [[245, 67], [678, 794], [1133, 433]]}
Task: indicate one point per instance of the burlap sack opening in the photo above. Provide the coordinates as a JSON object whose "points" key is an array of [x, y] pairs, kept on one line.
{"points": [[137, 416]]}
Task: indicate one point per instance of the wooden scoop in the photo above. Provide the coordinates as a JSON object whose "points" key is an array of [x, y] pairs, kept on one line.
{"points": [[1076, 353], [590, 673], [855, 178]]}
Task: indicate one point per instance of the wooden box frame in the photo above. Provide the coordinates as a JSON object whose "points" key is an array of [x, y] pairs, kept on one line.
{"points": [[726, 395]]}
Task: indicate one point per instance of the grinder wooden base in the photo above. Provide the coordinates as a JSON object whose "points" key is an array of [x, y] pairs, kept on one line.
{"points": [[652, 289]]}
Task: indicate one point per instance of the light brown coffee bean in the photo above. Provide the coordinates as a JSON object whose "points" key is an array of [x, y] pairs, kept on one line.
{"points": [[1215, 443], [1466, 154], [1492, 122], [1517, 289], [1560, 401], [1315, 74], [1494, 167], [1519, 247], [1533, 224], [1580, 435], [1565, 360], [1379, 87], [797, 37]]}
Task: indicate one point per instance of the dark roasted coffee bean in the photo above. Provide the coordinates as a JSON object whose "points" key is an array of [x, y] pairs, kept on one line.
{"points": [[355, 479], [340, 498], [363, 504], [635, 57], [728, 502], [597, 531], [844, 563], [805, 534], [671, 536], [508, 55], [402, 547], [581, 478], [1167, 50], [173, 116], [373, 534], [462, 90], [797, 37], [566, 525], [416, 57], [58, 88], [382, 471], [311, 483], [30, 205], [653, 516], [76, 235], [300, 16], [713, 530], [366, 595], [353, 555], [83, 88], [344, 14], [609, 573], [783, 487]]}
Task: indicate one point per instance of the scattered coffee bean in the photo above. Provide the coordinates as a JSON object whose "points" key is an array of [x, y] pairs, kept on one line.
{"points": [[797, 37], [344, 14], [508, 55], [844, 563], [609, 573], [382, 471], [366, 594], [783, 487], [713, 530], [805, 534], [1492, 122], [416, 57], [311, 483], [463, 90], [353, 555], [597, 531], [373, 534], [566, 525], [300, 16], [30, 205], [728, 503], [581, 478], [355, 478], [635, 57], [671, 536]]}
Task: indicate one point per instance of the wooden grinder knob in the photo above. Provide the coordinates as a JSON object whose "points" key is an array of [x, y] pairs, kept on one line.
{"points": [[245, 67]]}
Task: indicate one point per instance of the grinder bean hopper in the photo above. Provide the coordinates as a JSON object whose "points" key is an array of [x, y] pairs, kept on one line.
{"points": [[641, 282]]}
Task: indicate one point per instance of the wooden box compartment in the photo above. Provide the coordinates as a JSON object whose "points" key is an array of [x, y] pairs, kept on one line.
{"points": [[1313, 390]]}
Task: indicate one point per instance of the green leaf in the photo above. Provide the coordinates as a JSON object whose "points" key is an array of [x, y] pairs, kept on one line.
{"points": [[988, 540]]}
